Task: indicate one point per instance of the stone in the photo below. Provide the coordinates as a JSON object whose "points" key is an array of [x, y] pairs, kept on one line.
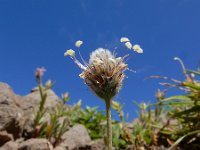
{"points": [[33, 99], [95, 145], [30, 107], [35, 144], [7, 95], [11, 115], [11, 120], [75, 138], [59, 148], [5, 137], [10, 146]]}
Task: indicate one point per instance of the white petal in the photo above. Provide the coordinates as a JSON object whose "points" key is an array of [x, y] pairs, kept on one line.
{"points": [[137, 48], [128, 45], [78, 43], [124, 39], [70, 52]]}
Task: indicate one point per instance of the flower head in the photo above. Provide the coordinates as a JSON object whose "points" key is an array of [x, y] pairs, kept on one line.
{"points": [[137, 48], [128, 45], [48, 84], [70, 52], [39, 72], [124, 39], [65, 97], [104, 74], [78, 43]]}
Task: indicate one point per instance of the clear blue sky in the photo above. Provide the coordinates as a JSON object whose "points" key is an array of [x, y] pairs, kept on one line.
{"points": [[36, 33]]}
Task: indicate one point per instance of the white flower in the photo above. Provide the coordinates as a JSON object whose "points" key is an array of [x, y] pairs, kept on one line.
{"points": [[124, 39], [78, 43], [48, 84], [105, 73], [137, 48], [70, 52], [128, 45]]}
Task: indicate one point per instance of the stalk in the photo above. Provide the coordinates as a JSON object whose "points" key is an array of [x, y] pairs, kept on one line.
{"points": [[109, 125]]}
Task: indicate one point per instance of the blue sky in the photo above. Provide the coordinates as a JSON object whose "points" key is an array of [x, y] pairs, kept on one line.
{"points": [[35, 33]]}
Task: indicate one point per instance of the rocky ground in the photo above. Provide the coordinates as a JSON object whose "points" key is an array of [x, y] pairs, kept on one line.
{"points": [[17, 115]]}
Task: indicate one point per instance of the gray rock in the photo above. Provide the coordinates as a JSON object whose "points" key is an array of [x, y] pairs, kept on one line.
{"points": [[36, 144], [10, 146], [98, 145], [11, 115], [11, 120], [59, 148], [7, 95], [32, 100], [75, 138], [5, 137], [30, 107]]}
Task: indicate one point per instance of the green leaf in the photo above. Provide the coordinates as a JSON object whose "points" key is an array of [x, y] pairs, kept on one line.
{"points": [[177, 97], [179, 103], [188, 111], [191, 85], [181, 138]]}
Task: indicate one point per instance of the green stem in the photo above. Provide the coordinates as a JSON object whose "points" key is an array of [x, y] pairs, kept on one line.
{"points": [[109, 125]]}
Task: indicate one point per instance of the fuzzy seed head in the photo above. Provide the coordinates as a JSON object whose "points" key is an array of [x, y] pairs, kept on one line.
{"points": [[104, 74]]}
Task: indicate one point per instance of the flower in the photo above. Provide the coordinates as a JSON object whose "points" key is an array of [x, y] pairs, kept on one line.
{"points": [[70, 52], [115, 105], [160, 94], [128, 45], [48, 84], [78, 43], [39, 72], [137, 48], [124, 39], [65, 97], [104, 74]]}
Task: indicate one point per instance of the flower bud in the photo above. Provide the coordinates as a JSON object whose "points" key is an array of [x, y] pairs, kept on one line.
{"points": [[78, 43], [137, 48], [70, 52], [124, 39]]}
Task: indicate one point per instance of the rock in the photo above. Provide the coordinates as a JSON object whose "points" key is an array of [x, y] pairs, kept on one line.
{"points": [[95, 145], [75, 138], [7, 95], [10, 146], [31, 104], [59, 148], [36, 144], [32, 101], [11, 116], [11, 120], [5, 137]]}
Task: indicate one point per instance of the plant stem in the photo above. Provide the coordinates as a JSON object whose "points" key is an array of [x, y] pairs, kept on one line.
{"points": [[109, 125]]}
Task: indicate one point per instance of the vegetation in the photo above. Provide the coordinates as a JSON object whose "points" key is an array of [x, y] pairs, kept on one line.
{"points": [[170, 122]]}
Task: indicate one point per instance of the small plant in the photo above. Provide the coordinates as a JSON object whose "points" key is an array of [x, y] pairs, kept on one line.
{"points": [[104, 74], [92, 119], [183, 123], [51, 129], [121, 134]]}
